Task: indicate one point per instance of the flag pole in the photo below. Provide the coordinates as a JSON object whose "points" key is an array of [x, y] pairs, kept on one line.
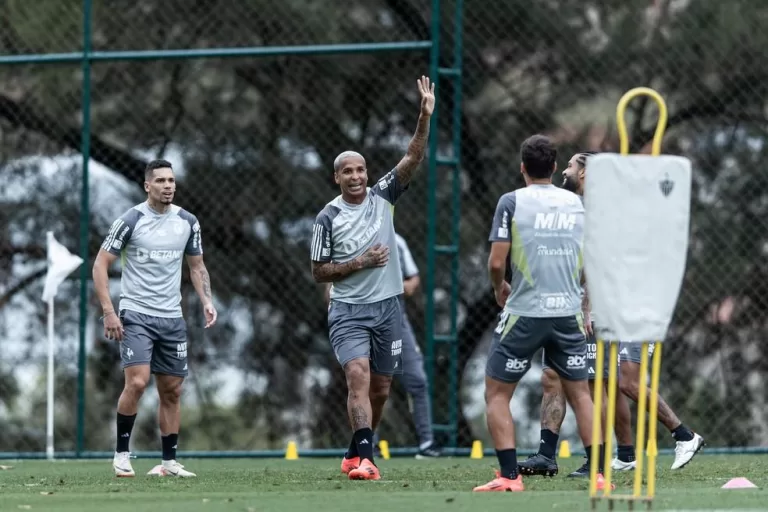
{"points": [[51, 350], [60, 264]]}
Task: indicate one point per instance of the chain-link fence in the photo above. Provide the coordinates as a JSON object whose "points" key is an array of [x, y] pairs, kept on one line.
{"points": [[560, 68], [253, 137]]}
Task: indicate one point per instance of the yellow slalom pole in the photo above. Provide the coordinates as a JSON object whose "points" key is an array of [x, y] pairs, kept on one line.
{"points": [[610, 414], [653, 420], [640, 430], [661, 125], [597, 415], [658, 135]]}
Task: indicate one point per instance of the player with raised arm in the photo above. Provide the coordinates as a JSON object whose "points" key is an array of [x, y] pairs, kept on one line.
{"points": [[540, 227], [553, 402], [152, 238], [351, 243]]}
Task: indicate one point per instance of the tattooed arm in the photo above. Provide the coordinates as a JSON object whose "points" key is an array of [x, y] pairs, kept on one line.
{"points": [[417, 148], [201, 280], [328, 272]]}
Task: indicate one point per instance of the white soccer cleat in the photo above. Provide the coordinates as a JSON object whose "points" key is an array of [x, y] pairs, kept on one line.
{"points": [[122, 464], [171, 468], [685, 450], [620, 465]]}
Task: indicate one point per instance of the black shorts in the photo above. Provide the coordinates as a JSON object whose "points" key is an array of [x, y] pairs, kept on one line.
{"points": [[517, 339], [591, 358]]}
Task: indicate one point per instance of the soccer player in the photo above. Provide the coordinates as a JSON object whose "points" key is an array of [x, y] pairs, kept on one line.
{"points": [[541, 228], [351, 243], [553, 401], [687, 442], [414, 377], [152, 237]]}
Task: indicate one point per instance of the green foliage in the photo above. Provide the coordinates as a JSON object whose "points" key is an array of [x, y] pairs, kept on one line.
{"points": [[254, 140]]}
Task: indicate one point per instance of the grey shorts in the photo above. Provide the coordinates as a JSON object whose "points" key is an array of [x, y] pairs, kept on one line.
{"points": [[159, 342], [630, 352], [516, 340], [591, 359], [373, 331]]}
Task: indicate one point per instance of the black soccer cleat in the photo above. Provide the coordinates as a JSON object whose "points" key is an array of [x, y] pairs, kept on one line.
{"points": [[538, 465], [430, 452], [582, 472]]}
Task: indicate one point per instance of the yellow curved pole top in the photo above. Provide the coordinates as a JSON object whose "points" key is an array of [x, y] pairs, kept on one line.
{"points": [[660, 126]]}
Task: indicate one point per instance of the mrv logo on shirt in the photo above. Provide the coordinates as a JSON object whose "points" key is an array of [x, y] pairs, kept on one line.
{"points": [[555, 221]]}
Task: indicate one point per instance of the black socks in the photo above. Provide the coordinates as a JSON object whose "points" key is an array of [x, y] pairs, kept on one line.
{"points": [[600, 460], [508, 463], [626, 453], [364, 440], [352, 450], [124, 429], [548, 446], [169, 446], [682, 433]]}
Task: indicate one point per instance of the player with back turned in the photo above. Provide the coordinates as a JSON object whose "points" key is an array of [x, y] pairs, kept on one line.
{"points": [[152, 239], [687, 442], [540, 228], [353, 239]]}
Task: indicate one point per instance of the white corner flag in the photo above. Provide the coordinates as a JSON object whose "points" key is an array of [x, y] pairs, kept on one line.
{"points": [[61, 263], [636, 228]]}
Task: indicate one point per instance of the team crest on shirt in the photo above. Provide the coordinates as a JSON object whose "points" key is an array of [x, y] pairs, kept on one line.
{"points": [[178, 227]]}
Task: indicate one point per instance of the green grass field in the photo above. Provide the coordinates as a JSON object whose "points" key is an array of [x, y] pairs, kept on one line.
{"points": [[317, 485]]}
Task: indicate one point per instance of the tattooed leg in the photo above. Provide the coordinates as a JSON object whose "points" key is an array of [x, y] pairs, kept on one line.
{"points": [[359, 408], [358, 400], [552, 403]]}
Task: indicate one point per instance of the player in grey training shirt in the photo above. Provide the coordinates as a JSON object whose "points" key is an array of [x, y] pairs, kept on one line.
{"points": [[553, 402], [152, 239], [351, 243], [540, 228]]}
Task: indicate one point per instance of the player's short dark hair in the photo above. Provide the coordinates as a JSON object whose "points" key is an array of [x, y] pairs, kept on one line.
{"points": [[538, 155], [582, 158], [149, 170]]}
